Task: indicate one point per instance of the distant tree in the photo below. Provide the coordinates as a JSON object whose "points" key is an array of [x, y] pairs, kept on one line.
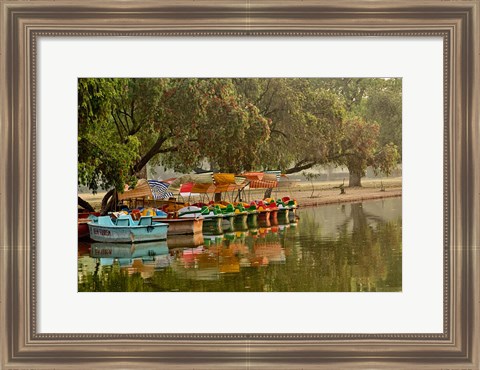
{"points": [[372, 101], [360, 148], [384, 106]]}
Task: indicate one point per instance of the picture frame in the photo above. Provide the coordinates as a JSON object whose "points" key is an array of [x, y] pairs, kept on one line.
{"points": [[23, 22]]}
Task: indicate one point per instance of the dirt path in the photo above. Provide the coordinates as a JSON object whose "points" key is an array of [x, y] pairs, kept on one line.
{"points": [[329, 196]]}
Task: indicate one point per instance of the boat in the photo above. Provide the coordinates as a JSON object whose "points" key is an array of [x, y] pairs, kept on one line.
{"points": [[83, 220], [228, 215], [179, 225], [182, 226], [291, 204], [263, 214], [212, 219], [125, 230], [272, 206], [241, 218], [283, 212]]}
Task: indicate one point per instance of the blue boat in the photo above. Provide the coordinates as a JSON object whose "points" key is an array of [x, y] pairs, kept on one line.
{"points": [[125, 230]]}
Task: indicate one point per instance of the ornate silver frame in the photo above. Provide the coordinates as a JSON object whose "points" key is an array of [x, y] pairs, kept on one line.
{"points": [[23, 22]]}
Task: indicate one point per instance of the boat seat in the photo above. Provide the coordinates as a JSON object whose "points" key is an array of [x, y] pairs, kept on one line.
{"points": [[145, 221], [123, 222], [105, 221]]}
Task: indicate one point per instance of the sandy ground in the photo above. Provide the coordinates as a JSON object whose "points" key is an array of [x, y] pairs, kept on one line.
{"points": [[311, 194]]}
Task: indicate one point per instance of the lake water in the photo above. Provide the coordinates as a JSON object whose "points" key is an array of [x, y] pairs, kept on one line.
{"points": [[348, 247]]}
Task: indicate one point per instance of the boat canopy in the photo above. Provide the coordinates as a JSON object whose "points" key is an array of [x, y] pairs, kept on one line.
{"points": [[153, 189], [203, 183]]}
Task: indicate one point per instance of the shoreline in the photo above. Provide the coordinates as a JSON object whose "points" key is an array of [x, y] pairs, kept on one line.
{"points": [[345, 198], [308, 194]]}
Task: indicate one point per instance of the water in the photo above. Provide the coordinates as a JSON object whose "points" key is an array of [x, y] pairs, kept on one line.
{"points": [[333, 248]]}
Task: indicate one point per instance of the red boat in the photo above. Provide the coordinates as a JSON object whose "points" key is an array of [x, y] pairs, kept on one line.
{"points": [[83, 221]]}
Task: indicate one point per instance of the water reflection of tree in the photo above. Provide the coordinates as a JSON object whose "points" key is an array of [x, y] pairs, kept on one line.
{"points": [[365, 257]]}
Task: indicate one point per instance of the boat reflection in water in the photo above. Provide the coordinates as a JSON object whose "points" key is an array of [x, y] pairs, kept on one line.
{"points": [[335, 248], [228, 254], [143, 258]]}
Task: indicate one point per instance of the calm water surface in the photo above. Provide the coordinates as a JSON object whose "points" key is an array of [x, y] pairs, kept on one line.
{"points": [[333, 248]]}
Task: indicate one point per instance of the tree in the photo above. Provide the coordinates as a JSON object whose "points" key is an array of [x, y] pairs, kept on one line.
{"points": [[235, 124], [104, 159], [373, 101], [360, 148], [228, 134], [305, 121], [384, 105], [174, 122]]}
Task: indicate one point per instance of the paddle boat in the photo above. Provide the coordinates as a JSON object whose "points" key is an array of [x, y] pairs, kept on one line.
{"points": [[179, 225], [292, 206], [228, 215], [125, 230], [272, 206], [252, 213], [241, 217], [212, 219], [263, 213], [283, 212]]}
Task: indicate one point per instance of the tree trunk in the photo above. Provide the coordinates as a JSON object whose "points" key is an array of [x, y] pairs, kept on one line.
{"points": [[355, 178], [84, 204], [107, 201]]}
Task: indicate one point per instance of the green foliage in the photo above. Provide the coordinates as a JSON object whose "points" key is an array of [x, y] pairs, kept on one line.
{"points": [[235, 124], [104, 158], [226, 129], [384, 105]]}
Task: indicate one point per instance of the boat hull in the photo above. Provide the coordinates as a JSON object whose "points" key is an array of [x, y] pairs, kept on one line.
{"points": [[227, 222], [128, 234], [240, 222], [283, 216], [83, 231], [212, 225], [182, 226], [292, 214], [252, 220]]}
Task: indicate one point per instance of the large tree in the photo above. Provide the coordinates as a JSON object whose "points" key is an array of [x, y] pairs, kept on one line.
{"points": [[306, 122], [373, 133], [319, 121], [235, 124], [174, 122], [360, 148]]}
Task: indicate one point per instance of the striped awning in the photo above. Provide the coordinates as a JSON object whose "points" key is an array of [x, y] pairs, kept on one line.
{"points": [[159, 189], [262, 184], [152, 189]]}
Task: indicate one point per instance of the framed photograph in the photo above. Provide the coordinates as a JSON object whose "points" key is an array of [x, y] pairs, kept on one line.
{"points": [[239, 185]]}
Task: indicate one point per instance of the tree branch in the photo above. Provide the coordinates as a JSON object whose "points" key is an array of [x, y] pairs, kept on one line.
{"points": [[298, 167], [149, 155], [84, 204]]}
